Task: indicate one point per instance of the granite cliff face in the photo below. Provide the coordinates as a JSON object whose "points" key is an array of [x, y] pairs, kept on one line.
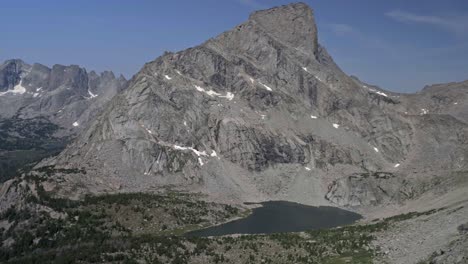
{"points": [[63, 94], [43, 108], [262, 112]]}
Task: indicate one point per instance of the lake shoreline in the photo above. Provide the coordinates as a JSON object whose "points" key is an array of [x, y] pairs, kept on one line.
{"points": [[279, 217]]}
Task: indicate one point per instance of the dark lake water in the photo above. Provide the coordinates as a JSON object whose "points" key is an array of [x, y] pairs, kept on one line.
{"points": [[282, 216]]}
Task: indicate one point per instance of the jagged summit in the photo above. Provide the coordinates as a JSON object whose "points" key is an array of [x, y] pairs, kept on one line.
{"points": [[262, 112], [14, 61], [10, 72], [293, 24], [42, 108], [60, 93]]}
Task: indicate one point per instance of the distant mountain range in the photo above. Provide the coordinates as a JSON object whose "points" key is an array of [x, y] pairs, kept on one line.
{"points": [[42, 108], [260, 112]]}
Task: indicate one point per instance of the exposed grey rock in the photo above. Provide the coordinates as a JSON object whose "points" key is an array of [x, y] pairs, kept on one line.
{"points": [[370, 189], [42, 109], [263, 112], [64, 94], [463, 228], [430, 238], [10, 72], [290, 24], [260, 112]]}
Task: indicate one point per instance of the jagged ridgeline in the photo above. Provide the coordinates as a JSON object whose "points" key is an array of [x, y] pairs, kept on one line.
{"points": [[43, 108], [260, 112]]}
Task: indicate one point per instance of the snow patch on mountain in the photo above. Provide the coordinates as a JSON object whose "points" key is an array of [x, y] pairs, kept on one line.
{"points": [[91, 95], [212, 93], [198, 153], [375, 91], [18, 89], [228, 96], [266, 86]]}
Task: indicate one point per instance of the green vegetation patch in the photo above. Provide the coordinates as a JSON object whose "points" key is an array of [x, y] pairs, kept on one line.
{"points": [[148, 228], [24, 142], [101, 220]]}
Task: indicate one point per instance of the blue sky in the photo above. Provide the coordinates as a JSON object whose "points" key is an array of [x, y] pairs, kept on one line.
{"points": [[399, 45]]}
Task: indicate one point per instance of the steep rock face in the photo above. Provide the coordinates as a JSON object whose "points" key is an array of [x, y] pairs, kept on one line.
{"points": [[259, 112], [63, 93], [369, 189], [43, 108], [10, 73], [290, 24]]}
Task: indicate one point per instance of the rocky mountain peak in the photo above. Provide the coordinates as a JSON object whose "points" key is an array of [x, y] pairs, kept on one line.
{"points": [[122, 78], [42, 108], [293, 24], [10, 72], [15, 62], [259, 111], [37, 90]]}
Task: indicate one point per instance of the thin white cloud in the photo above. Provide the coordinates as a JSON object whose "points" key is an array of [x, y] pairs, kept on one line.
{"points": [[455, 24]]}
